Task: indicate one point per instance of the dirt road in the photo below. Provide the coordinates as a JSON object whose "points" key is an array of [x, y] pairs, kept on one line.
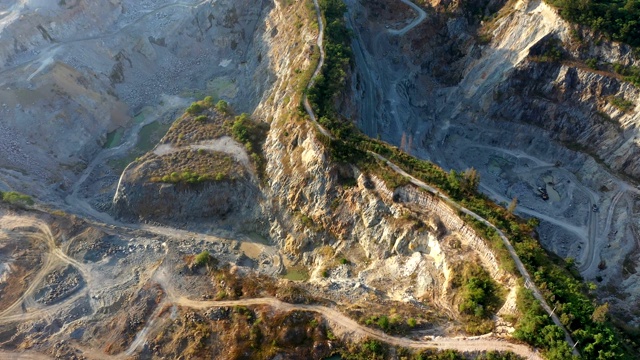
{"points": [[335, 317], [305, 102], [588, 265], [54, 257], [421, 16]]}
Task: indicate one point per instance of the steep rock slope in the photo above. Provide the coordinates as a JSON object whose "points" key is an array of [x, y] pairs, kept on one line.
{"points": [[313, 209], [513, 97], [67, 70]]}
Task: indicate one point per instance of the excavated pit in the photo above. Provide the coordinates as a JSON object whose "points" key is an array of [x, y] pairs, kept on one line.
{"points": [[442, 93], [85, 98]]}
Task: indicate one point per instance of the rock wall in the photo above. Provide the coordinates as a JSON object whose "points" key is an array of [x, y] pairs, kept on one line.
{"points": [[453, 223], [229, 203]]}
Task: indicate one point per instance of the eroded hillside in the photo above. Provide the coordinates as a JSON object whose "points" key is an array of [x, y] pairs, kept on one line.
{"points": [[530, 101]]}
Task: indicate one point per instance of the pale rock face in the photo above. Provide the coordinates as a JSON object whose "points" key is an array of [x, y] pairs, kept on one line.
{"points": [[218, 203]]}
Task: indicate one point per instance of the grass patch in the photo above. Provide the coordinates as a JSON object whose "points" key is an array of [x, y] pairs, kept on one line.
{"points": [[194, 167], [16, 198], [296, 274], [621, 103]]}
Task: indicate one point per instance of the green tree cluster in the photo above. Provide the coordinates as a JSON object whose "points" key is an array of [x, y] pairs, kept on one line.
{"points": [[618, 19], [630, 73], [333, 76], [195, 108], [188, 177], [251, 134]]}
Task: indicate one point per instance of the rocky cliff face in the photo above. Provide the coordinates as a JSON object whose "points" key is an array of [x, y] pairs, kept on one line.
{"points": [[227, 202], [510, 93], [317, 208]]}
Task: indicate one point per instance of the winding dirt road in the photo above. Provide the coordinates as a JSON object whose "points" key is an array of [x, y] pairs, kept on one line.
{"points": [[587, 266], [305, 102], [53, 257], [471, 344], [421, 16]]}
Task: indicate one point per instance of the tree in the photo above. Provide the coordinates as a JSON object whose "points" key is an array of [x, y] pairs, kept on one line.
{"points": [[512, 205], [533, 222], [452, 179], [600, 313], [222, 106], [471, 180], [383, 322]]}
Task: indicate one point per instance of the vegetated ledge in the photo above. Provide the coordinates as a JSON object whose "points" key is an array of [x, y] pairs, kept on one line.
{"points": [[191, 135], [206, 168], [558, 281], [617, 22]]}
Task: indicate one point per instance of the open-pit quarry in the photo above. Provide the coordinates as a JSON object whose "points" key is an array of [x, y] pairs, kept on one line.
{"points": [[183, 200]]}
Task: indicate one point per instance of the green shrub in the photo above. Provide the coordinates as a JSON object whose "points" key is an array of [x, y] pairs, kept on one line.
{"points": [[222, 106], [630, 73], [592, 63], [411, 322], [373, 346], [203, 258], [621, 103], [194, 109], [383, 322], [478, 292], [16, 198]]}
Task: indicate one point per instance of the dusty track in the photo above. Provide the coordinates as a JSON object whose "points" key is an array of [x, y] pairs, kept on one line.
{"points": [[421, 16], [351, 326], [305, 102], [588, 264], [54, 256]]}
